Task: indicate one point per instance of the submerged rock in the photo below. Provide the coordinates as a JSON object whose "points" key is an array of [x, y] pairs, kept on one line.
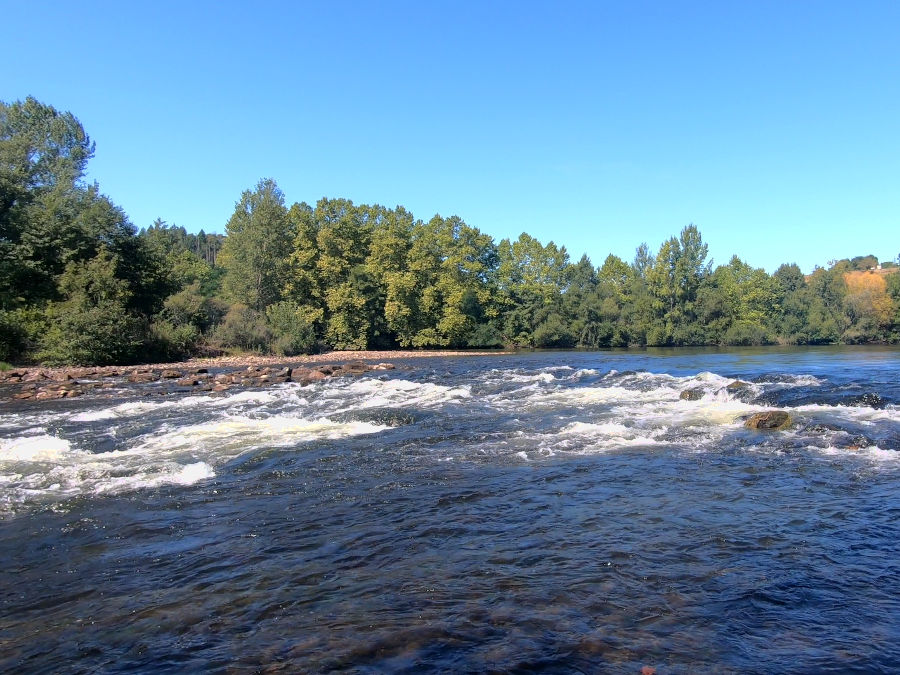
{"points": [[738, 389], [771, 420], [389, 417], [693, 394], [869, 399]]}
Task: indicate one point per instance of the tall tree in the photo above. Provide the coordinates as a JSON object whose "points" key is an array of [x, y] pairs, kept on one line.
{"points": [[257, 247]]}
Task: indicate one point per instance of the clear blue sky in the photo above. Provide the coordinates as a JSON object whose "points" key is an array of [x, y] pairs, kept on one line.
{"points": [[772, 126]]}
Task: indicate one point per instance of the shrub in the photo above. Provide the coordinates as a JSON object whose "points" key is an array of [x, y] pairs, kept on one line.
{"points": [[243, 328], [485, 335], [101, 335], [553, 333], [293, 334], [174, 341], [747, 333]]}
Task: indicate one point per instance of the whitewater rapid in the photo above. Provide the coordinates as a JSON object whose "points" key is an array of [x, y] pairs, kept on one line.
{"points": [[53, 453]]}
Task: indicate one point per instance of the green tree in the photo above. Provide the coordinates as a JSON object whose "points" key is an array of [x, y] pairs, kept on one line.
{"points": [[93, 325], [255, 254], [453, 267]]}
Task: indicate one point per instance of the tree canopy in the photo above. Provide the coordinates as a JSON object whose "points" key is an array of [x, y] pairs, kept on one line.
{"points": [[79, 283]]}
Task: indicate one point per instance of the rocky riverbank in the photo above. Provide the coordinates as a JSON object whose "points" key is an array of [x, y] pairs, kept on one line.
{"points": [[213, 374]]}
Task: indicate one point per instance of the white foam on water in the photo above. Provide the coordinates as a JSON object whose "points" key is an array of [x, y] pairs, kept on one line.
{"points": [[860, 414], [139, 408], [501, 376], [374, 393], [45, 467], [872, 453], [38, 448], [234, 434]]}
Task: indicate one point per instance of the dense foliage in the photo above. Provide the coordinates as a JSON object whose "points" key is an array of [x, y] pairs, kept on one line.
{"points": [[79, 284]]}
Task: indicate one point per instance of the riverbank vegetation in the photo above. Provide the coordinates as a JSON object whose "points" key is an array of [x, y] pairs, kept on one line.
{"points": [[79, 284]]}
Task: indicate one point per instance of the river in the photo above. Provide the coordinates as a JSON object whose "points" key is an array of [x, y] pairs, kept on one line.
{"points": [[539, 512]]}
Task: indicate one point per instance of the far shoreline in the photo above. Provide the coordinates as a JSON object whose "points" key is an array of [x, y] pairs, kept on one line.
{"points": [[260, 360]]}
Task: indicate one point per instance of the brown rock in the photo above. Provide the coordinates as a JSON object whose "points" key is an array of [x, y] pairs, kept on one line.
{"points": [[220, 387], [736, 385], [384, 366], [144, 376], [771, 420], [308, 377], [35, 376], [356, 367], [171, 374], [694, 394], [24, 395]]}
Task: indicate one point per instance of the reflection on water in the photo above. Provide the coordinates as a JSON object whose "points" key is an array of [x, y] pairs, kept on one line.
{"points": [[560, 512]]}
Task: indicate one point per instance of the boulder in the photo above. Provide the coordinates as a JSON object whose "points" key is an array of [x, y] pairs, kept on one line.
{"points": [[171, 374], [307, 376], [739, 390], [189, 381], [693, 394], [356, 368], [771, 420], [145, 376], [383, 366]]}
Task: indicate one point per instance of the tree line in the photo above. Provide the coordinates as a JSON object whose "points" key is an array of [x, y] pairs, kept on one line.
{"points": [[79, 284]]}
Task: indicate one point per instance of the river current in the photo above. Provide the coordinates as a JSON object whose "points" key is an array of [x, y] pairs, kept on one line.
{"points": [[538, 512]]}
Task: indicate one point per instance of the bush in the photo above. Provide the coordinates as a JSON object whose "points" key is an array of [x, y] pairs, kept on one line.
{"points": [[20, 333], [12, 336], [747, 333], [485, 335], [172, 341], [293, 334], [553, 333], [243, 328], [101, 335]]}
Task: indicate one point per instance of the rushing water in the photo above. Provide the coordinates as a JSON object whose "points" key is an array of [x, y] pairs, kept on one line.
{"points": [[555, 512]]}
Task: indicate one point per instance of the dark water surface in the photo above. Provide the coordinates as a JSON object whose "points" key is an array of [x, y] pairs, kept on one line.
{"points": [[546, 512]]}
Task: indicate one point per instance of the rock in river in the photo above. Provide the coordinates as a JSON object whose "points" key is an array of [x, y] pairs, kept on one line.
{"points": [[771, 420]]}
